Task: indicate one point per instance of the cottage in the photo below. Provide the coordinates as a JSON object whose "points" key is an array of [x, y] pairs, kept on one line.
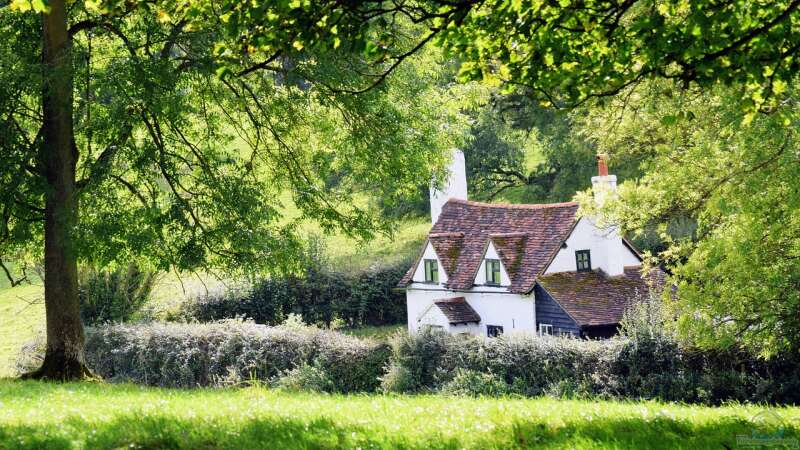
{"points": [[488, 269]]}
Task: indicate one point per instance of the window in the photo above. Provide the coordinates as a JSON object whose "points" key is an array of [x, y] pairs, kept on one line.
{"points": [[431, 271], [545, 329], [583, 260], [494, 330], [493, 271]]}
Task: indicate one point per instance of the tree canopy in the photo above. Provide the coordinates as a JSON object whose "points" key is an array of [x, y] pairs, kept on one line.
{"points": [[737, 274]]}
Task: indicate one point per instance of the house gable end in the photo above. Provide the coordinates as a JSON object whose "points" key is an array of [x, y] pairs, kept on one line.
{"points": [[549, 311]]}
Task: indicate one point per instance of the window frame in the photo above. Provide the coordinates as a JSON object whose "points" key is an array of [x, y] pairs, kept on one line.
{"points": [[588, 261], [431, 271], [494, 330], [490, 274], [543, 326]]}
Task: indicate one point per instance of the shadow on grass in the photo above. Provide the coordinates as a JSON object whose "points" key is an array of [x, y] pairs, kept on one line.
{"points": [[166, 432]]}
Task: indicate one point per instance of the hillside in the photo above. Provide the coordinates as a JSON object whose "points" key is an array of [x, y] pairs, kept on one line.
{"points": [[22, 308]]}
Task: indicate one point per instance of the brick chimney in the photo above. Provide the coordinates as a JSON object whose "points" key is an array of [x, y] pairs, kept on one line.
{"points": [[603, 182], [604, 186]]}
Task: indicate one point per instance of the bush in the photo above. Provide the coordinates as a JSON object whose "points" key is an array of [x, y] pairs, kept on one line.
{"points": [[306, 377], [113, 296], [31, 355], [321, 296], [471, 383], [190, 355], [650, 367]]}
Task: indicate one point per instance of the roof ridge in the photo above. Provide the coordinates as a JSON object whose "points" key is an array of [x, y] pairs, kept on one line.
{"points": [[513, 205], [446, 234], [509, 234]]}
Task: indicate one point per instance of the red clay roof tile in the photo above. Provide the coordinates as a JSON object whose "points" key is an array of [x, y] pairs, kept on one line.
{"points": [[525, 236], [592, 298]]}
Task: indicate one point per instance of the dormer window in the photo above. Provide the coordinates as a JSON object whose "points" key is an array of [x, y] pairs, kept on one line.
{"points": [[493, 272], [431, 271], [583, 260]]}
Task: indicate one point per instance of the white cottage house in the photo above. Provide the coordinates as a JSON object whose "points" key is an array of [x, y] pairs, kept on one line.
{"points": [[488, 269]]}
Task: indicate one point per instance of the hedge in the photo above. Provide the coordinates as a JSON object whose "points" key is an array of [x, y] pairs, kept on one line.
{"points": [[192, 355], [618, 368], [321, 296]]}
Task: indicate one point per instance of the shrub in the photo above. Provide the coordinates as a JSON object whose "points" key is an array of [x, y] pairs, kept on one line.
{"points": [[190, 355], [31, 355], [306, 377], [471, 383], [398, 379], [113, 296]]}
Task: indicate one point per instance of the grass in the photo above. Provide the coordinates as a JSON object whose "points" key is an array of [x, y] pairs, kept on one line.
{"points": [[42, 415], [21, 319]]}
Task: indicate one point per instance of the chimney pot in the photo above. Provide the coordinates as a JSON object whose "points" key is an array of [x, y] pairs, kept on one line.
{"points": [[602, 165]]}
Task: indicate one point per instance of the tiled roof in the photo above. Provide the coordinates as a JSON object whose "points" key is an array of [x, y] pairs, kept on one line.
{"points": [[448, 248], [457, 310], [526, 238], [592, 298]]}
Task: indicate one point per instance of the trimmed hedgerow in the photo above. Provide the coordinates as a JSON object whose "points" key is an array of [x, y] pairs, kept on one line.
{"points": [[191, 355], [649, 367]]}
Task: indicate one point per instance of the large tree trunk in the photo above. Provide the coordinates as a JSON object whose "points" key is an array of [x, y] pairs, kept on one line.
{"points": [[64, 357]]}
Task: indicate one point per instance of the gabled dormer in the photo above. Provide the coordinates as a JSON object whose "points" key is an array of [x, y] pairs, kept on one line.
{"points": [[429, 268], [492, 272]]}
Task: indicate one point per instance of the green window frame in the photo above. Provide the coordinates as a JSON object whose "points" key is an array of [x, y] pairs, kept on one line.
{"points": [[583, 260], [493, 272], [431, 271]]}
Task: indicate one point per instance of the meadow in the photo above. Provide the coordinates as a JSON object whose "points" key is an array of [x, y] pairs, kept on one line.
{"points": [[97, 415]]}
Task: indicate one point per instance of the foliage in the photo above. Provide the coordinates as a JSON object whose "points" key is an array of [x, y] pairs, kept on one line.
{"points": [[736, 273], [185, 170], [562, 52], [30, 355], [649, 367], [476, 384], [321, 297], [113, 296], [306, 377], [122, 141], [527, 153], [42, 415], [191, 355]]}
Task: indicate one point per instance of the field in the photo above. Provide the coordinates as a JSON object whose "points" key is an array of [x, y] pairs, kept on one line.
{"points": [[95, 415]]}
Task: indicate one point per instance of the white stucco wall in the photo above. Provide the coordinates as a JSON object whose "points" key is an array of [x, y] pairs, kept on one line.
{"points": [[491, 253], [432, 315], [454, 187], [419, 274], [514, 312], [607, 251]]}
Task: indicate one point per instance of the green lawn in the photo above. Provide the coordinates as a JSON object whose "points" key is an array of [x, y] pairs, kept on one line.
{"points": [[21, 318], [41, 415]]}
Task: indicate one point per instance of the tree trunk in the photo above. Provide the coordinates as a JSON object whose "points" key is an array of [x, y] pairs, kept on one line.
{"points": [[64, 357]]}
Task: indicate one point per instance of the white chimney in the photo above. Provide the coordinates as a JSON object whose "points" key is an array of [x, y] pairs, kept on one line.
{"points": [[455, 186], [604, 187]]}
